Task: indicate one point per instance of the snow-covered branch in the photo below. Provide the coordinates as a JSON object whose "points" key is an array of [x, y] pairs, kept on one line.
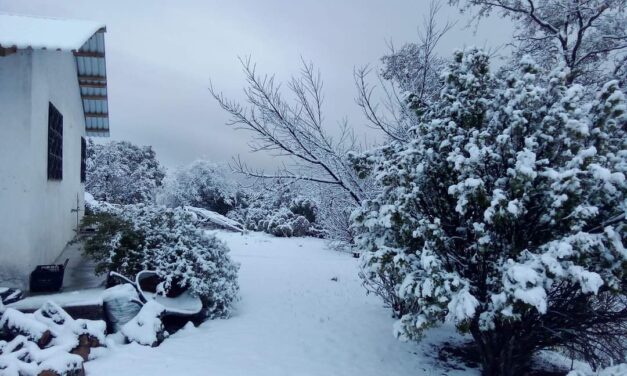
{"points": [[584, 36], [294, 129]]}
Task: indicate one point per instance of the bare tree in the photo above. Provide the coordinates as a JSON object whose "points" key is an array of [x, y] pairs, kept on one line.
{"points": [[409, 79], [587, 36], [294, 129]]}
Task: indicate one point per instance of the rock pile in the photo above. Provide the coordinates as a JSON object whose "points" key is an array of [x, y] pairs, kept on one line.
{"points": [[47, 342]]}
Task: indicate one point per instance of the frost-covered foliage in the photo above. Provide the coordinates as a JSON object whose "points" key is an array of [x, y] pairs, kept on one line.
{"points": [[406, 66], [122, 173], [201, 184], [587, 37], [279, 211], [116, 245], [505, 214], [132, 238]]}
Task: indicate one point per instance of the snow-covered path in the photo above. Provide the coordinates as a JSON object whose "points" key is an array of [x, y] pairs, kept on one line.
{"points": [[294, 318]]}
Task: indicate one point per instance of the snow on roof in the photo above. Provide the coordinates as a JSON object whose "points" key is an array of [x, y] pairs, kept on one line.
{"points": [[85, 39], [41, 32]]}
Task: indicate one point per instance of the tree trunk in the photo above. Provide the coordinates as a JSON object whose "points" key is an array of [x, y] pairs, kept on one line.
{"points": [[502, 352]]}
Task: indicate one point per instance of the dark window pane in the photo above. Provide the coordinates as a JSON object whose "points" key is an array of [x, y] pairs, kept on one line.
{"points": [[83, 158], [55, 143]]}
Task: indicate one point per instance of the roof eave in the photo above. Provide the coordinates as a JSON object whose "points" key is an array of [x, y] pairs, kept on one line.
{"points": [[92, 81]]}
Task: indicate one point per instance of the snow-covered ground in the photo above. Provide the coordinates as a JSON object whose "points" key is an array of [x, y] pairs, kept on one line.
{"points": [[303, 312]]}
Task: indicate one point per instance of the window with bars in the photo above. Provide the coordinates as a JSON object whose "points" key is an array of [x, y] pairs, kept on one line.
{"points": [[83, 159], [55, 143]]}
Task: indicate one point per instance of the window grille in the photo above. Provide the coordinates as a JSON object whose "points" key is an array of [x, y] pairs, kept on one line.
{"points": [[55, 143]]}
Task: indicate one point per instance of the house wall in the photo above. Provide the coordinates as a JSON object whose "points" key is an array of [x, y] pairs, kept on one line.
{"points": [[44, 207], [15, 166]]}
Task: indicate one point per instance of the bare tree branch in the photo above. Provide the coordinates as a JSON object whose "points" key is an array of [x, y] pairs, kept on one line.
{"points": [[293, 129], [414, 70], [581, 35]]}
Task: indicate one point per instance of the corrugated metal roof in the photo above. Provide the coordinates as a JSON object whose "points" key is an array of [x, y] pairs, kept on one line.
{"points": [[92, 78], [85, 39]]}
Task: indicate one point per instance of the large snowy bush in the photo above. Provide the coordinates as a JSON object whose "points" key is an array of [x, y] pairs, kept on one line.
{"points": [[279, 211], [202, 184], [122, 173], [132, 238], [505, 214]]}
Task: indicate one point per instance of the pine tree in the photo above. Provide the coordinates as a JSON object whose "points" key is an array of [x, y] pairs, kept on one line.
{"points": [[505, 214]]}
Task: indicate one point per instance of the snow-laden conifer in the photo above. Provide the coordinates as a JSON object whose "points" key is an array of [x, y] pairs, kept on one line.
{"points": [[505, 214]]}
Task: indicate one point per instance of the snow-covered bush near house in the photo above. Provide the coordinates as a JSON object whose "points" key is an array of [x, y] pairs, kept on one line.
{"points": [[132, 238], [115, 245], [122, 173], [506, 209], [201, 184]]}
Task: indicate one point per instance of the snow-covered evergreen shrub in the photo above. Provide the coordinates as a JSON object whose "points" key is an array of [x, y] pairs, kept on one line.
{"points": [[304, 207], [505, 214], [284, 223], [116, 245], [202, 184], [122, 173], [139, 237], [279, 212]]}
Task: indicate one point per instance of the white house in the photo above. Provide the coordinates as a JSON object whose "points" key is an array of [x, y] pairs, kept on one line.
{"points": [[53, 93]]}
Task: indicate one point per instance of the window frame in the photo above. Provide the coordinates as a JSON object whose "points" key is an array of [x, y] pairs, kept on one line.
{"points": [[55, 143], [83, 159]]}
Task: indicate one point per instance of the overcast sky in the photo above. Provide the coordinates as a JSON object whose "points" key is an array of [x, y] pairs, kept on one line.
{"points": [[161, 56]]}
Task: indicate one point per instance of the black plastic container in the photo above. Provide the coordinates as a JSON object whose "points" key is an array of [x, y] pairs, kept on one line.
{"points": [[47, 278]]}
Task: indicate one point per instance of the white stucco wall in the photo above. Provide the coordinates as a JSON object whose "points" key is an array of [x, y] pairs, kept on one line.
{"points": [[36, 221], [15, 164]]}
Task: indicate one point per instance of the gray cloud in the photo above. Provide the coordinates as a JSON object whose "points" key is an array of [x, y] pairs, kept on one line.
{"points": [[161, 56]]}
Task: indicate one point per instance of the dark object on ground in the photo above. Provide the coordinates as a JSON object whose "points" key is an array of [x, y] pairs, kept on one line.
{"points": [[86, 342], [47, 278], [87, 312], [174, 323], [79, 371], [150, 283], [10, 295], [453, 355]]}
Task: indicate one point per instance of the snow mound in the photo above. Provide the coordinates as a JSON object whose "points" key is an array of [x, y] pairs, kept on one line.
{"points": [[146, 328], [219, 220]]}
